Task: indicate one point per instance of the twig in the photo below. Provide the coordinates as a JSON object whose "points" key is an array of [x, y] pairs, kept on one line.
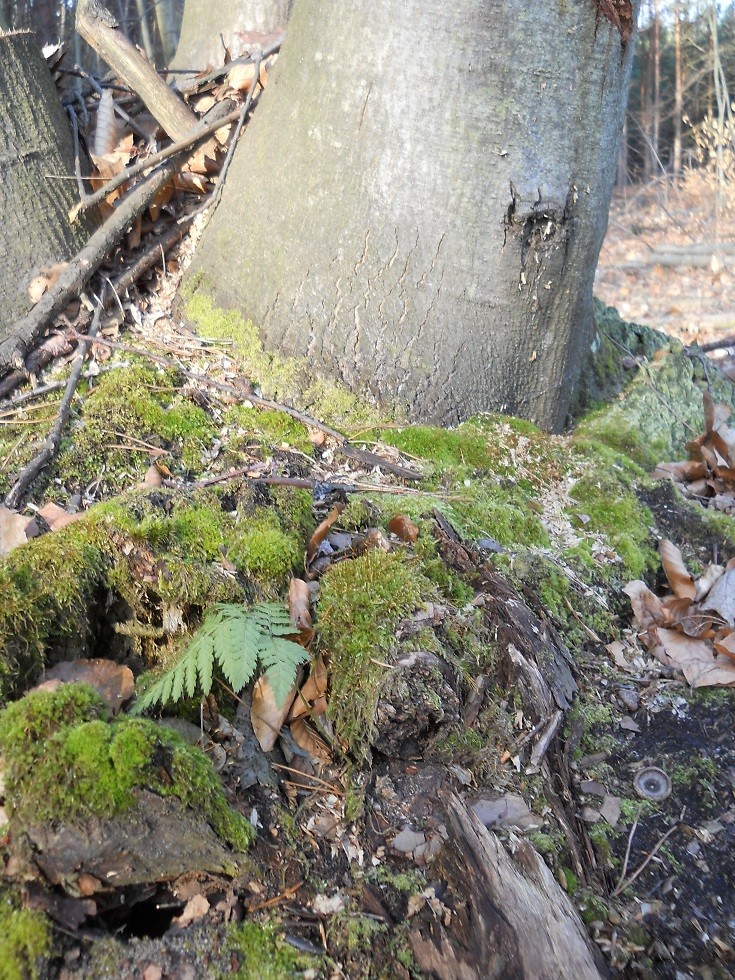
{"points": [[718, 344], [211, 76], [246, 394], [150, 258], [622, 885], [50, 447], [241, 116], [187, 143], [631, 835]]}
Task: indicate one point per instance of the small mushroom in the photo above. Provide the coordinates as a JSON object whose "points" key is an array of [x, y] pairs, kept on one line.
{"points": [[652, 784]]}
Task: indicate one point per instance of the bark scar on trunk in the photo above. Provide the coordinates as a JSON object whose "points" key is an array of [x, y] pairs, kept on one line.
{"points": [[620, 15], [541, 223]]}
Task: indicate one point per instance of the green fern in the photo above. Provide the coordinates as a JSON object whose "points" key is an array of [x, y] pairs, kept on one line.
{"points": [[237, 639]]}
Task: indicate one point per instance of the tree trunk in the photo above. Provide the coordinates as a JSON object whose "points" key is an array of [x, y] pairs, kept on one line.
{"points": [[678, 90], [656, 116], [167, 29], [36, 160], [419, 205], [228, 24]]}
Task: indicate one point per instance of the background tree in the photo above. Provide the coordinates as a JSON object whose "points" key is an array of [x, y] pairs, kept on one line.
{"points": [[419, 204], [235, 20]]}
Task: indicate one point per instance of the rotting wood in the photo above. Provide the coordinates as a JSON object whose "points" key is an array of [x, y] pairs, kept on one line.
{"points": [[101, 31], [506, 915]]}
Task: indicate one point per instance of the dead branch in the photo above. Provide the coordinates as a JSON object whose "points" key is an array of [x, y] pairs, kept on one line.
{"points": [[56, 345], [190, 141], [101, 31], [79, 271], [51, 446], [247, 394]]}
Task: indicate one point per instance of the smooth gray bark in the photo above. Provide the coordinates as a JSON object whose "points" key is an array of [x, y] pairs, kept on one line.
{"points": [[419, 203], [37, 189], [211, 25]]}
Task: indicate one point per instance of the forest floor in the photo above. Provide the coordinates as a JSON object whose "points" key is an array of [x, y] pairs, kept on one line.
{"points": [[695, 304]]}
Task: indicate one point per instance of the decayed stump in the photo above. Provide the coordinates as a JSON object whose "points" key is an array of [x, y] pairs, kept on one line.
{"points": [[36, 160], [502, 914]]}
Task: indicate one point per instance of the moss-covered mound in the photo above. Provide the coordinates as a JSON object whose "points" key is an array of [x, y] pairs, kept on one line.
{"points": [[64, 762]]}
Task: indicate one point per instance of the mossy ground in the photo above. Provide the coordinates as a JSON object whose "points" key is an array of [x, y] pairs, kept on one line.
{"points": [[570, 516], [25, 940]]}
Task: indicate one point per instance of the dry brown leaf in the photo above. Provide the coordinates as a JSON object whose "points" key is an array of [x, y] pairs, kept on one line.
{"points": [[312, 691], [707, 579], [404, 528], [299, 598], [12, 530], [725, 644], [113, 682], [308, 740], [195, 908], [696, 660], [681, 582], [152, 477], [57, 517], [266, 717], [241, 77], [721, 597], [322, 531], [648, 609]]}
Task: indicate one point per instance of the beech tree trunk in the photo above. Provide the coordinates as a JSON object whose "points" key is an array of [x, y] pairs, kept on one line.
{"points": [[419, 204], [37, 189], [210, 26]]}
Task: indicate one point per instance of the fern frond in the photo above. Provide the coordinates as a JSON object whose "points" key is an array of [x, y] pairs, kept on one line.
{"points": [[281, 658], [237, 638]]}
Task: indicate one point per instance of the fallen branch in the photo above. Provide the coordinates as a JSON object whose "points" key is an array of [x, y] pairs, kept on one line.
{"points": [[79, 271], [247, 394], [188, 142], [622, 885], [150, 257], [51, 446], [101, 31]]}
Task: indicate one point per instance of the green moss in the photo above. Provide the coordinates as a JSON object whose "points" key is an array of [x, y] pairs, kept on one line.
{"points": [[46, 588], [284, 379], [265, 427], [361, 604], [262, 954], [135, 403], [625, 523], [262, 550], [25, 941], [465, 446], [64, 762]]}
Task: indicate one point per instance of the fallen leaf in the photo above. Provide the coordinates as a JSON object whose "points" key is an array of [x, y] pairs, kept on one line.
{"points": [[696, 660], [681, 582], [322, 531], [404, 528], [45, 279], [266, 717], [113, 682], [312, 692], [721, 597], [152, 477], [12, 530], [299, 598], [56, 516], [308, 740], [195, 908]]}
